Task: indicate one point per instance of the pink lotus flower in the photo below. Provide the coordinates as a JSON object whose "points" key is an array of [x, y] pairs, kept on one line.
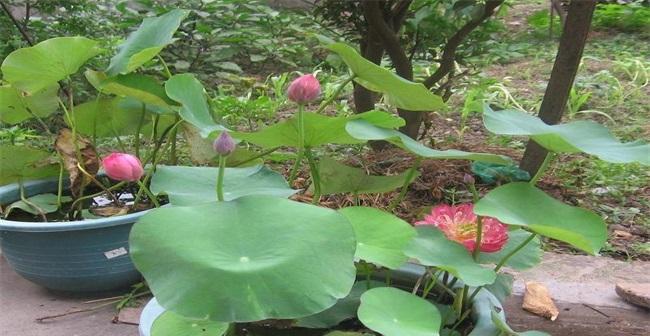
{"points": [[459, 223], [304, 89], [123, 167]]}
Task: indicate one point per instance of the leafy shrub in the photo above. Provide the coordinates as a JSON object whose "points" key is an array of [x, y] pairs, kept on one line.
{"points": [[632, 17]]}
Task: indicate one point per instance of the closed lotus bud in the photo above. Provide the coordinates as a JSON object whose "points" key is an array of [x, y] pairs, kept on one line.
{"points": [[468, 179], [224, 144], [123, 167], [304, 89]]}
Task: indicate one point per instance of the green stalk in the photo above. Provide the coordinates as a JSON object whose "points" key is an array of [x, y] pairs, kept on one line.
{"points": [[264, 153], [222, 170], [165, 67], [301, 144], [59, 190], [315, 176], [30, 203], [99, 184], [173, 135], [151, 196], [116, 186], [479, 238], [336, 93], [409, 177], [540, 172], [505, 259], [138, 130]]}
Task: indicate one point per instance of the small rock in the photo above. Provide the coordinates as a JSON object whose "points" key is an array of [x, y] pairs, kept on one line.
{"points": [[130, 315], [622, 234], [634, 293], [538, 301]]}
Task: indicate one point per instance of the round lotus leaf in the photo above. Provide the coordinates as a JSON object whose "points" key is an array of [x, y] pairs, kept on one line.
{"points": [[394, 312], [254, 258], [170, 324]]}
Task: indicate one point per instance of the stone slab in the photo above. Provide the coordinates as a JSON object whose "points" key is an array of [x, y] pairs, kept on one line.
{"points": [[22, 302]]}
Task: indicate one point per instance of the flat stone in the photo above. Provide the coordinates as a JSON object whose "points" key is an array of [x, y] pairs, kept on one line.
{"points": [[634, 293], [22, 302], [130, 315]]}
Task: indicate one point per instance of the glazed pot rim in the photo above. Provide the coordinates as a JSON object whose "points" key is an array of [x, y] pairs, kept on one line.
{"points": [[35, 187]]}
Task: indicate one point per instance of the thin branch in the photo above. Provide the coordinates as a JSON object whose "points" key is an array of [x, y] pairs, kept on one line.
{"points": [[17, 24], [449, 51]]}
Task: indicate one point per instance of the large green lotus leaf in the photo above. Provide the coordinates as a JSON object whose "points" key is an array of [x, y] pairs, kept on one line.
{"points": [[141, 87], [527, 257], [33, 69], [254, 258], [431, 248], [146, 42], [578, 136], [105, 117], [381, 236], [344, 309], [398, 91], [338, 178], [394, 312], [522, 204], [24, 163], [16, 107], [347, 333], [363, 130], [170, 324], [319, 130], [192, 185], [188, 91]]}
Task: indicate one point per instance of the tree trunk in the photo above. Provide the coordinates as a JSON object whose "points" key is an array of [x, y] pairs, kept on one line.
{"points": [[564, 71]]}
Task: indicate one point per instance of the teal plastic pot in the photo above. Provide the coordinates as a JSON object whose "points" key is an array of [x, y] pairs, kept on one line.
{"points": [[80, 256]]}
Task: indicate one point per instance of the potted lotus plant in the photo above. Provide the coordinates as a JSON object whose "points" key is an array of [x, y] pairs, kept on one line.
{"points": [[234, 256], [66, 211]]}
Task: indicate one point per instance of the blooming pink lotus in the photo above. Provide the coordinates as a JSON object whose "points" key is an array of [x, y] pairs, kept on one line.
{"points": [[459, 223], [123, 167], [304, 89]]}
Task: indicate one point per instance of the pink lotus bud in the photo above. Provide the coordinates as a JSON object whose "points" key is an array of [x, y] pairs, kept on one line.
{"points": [[459, 223], [468, 179], [304, 89], [224, 144], [123, 167]]}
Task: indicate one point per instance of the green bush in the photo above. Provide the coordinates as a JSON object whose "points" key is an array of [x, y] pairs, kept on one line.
{"points": [[627, 18]]}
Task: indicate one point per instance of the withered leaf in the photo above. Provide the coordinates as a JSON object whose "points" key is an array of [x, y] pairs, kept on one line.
{"points": [[538, 301], [109, 211], [65, 145]]}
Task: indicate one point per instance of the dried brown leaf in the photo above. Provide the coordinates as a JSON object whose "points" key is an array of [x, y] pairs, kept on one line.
{"points": [[538, 301], [111, 210], [65, 145]]}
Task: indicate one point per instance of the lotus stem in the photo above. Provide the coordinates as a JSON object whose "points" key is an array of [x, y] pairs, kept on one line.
{"points": [[315, 176], [59, 189], [479, 238], [222, 170], [301, 143], [99, 184], [30, 203], [409, 177], [151, 196], [138, 130], [335, 94], [505, 259], [540, 172], [264, 153], [74, 204]]}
